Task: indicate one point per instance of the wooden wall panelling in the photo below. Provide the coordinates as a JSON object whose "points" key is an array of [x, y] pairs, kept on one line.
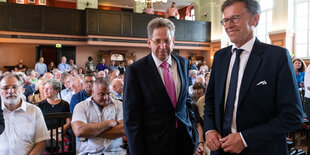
{"points": [[110, 23], [127, 26], [59, 21], [4, 16], [78, 17], [26, 18], [139, 25], [92, 21], [180, 26]]}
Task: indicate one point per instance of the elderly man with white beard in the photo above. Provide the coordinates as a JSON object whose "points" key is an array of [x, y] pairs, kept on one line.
{"points": [[25, 129]]}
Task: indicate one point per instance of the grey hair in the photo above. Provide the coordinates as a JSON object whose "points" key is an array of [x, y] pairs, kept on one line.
{"points": [[103, 81], [9, 74], [252, 6], [56, 84], [159, 23]]}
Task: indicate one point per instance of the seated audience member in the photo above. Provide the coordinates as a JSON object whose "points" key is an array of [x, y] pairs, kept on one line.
{"points": [[90, 66], [81, 71], [77, 85], [74, 72], [33, 75], [204, 66], [51, 66], [52, 104], [57, 74], [121, 68], [192, 77], [48, 75], [106, 71], [201, 149], [25, 131], [113, 75], [66, 94], [300, 69], [41, 67], [199, 90], [117, 89], [112, 66], [194, 65], [22, 77], [20, 67], [63, 66], [101, 66], [99, 119], [72, 65], [85, 93], [199, 79], [38, 96], [207, 78], [29, 87], [101, 74]]}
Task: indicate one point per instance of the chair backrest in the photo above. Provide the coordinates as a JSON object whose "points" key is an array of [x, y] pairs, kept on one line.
{"points": [[57, 143]]}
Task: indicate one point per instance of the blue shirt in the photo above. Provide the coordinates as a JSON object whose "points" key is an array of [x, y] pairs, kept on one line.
{"points": [[194, 67], [77, 98], [112, 68], [101, 67], [41, 68], [300, 78], [63, 67]]}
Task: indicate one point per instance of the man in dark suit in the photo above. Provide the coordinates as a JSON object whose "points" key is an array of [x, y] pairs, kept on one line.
{"points": [[252, 99], [158, 117]]}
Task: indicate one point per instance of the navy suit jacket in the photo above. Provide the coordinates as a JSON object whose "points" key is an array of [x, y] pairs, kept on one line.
{"points": [[266, 113], [149, 116]]}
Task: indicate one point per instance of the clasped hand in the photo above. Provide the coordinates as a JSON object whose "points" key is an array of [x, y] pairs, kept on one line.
{"points": [[232, 143]]}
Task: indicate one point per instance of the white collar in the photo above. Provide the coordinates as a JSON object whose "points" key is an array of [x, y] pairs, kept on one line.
{"points": [[248, 46], [22, 106], [159, 62]]}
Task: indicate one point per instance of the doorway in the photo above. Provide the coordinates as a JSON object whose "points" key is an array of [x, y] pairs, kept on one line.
{"points": [[53, 54]]}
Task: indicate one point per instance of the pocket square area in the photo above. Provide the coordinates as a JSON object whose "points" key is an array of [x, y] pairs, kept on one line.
{"points": [[261, 83]]}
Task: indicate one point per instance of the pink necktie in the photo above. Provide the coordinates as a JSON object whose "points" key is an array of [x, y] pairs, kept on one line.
{"points": [[169, 83]]}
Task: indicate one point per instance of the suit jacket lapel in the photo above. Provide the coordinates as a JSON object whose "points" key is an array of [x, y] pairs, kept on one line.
{"points": [[250, 69], [182, 79], [223, 71]]}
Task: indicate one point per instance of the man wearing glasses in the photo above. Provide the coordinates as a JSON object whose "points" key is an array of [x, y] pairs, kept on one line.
{"points": [[252, 99], [25, 129], [158, 118]]}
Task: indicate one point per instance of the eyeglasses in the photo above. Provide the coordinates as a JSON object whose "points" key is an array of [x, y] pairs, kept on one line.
{"points": [[158, 41], [91, 81], [6, 88], [234, 19]]}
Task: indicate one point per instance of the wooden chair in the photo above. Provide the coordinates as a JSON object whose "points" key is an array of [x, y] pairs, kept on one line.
{"points": [[57, 146]]}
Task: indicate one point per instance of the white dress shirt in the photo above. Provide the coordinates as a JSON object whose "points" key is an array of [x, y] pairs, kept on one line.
{"points": [[89, 112], [307, 82], [66, 95], [174, 72], [24, 127], [244, 57]]}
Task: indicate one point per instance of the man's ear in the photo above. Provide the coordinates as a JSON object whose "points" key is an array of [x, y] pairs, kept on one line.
{"points": [[256, 19], [148, 42]]}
